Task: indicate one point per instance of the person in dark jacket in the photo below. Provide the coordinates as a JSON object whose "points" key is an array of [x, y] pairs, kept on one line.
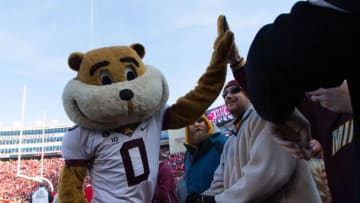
{"points": [[334, 130], [315, 45], [329, 112]]}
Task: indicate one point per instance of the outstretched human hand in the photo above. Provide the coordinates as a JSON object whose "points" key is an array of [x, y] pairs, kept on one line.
{"points": [[336, 99]]}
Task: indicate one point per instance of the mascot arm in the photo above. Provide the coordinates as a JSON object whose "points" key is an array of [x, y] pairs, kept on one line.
{"points": [[75, 149], [191, 106], [70, 187]]}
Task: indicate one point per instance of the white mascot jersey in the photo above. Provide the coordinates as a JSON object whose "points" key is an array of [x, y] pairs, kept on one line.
{"points": [[122, 168]]}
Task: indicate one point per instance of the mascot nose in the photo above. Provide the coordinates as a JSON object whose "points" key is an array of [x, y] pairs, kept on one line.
{"points": [[126, 94]]}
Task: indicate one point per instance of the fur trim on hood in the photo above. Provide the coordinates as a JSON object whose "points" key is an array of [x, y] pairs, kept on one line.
{"points": [[211, 129]]}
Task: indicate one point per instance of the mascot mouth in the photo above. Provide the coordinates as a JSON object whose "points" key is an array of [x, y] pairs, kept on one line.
{"points": [[78, 110], [76, 106], [84, 116]]}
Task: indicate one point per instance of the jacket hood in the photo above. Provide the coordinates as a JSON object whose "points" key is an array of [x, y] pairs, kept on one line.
{"points": [[212, 129]]}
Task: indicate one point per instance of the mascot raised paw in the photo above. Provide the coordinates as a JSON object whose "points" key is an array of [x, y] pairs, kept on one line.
{"points": [[119, 106]]}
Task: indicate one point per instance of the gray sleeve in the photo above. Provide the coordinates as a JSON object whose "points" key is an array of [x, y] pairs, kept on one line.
{"points": [[269, 165], [76, 144]]}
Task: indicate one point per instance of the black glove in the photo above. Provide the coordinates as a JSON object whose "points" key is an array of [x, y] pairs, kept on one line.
{"points": [[192, 197], [206, 199]]}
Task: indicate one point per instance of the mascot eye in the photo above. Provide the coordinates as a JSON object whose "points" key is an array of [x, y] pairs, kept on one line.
{"points": [[130, 73], [105, 78]]}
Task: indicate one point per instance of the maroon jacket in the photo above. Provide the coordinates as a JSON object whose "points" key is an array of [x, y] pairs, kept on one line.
{"points": [[334, 131], [165, 191]]}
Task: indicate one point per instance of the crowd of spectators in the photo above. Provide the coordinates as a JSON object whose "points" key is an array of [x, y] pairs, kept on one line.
{"points": [[18, 189], [175, 160]]}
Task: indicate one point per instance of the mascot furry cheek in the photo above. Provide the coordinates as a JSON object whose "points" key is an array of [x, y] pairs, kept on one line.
{"points": [[119, 107]]}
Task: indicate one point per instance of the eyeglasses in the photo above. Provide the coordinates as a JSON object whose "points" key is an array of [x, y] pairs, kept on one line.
{"points": [[232, 90]]}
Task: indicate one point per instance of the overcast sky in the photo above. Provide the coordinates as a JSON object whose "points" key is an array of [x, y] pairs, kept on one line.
{"points": [[37, 36]]}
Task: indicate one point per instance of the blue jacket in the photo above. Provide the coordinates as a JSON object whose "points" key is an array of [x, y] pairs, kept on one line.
{"points": [[201, 163]]}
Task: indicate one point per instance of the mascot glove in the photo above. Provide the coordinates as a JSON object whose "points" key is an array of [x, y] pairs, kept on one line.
{"points": [[235, 60]]}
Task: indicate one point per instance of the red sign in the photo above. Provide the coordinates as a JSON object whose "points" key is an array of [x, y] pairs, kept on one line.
{"points": [[219, 114]]}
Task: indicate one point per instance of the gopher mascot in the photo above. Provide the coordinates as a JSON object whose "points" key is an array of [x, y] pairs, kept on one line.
{"points": [[119, 106]]}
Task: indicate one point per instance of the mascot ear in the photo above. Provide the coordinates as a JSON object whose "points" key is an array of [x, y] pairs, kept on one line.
{"points": [[74, 60], [139, 48]]}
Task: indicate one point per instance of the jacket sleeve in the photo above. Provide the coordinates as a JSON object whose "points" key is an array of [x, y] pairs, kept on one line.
{"points": [[164, 184], [309, 109], [72, 175], [268, 164], [240, 75], [217, 184], [286, 59]]}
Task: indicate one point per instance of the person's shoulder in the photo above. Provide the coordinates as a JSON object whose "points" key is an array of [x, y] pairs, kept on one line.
{"points": [[218, 137], [253, 117], [255, 125]]}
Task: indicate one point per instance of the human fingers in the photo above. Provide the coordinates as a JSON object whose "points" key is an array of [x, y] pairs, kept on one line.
{"points": [[319, 91], [318, 98], [315, 145]]}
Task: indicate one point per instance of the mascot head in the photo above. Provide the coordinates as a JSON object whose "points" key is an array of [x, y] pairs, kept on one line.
{"points": [[113, 88]]}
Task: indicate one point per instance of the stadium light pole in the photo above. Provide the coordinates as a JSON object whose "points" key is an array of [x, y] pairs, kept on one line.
{"points": [[21, 130]]}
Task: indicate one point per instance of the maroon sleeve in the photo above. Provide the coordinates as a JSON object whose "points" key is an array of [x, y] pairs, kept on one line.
{"points": [[164, 183], [308, 109], [240, 77]]}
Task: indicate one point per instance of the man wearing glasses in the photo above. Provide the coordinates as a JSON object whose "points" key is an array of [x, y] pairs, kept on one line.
{"points": [[253, 168]]}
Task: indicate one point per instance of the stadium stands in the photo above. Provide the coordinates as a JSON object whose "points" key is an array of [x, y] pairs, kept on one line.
{"points": [[35, 142], [19, 189]]}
